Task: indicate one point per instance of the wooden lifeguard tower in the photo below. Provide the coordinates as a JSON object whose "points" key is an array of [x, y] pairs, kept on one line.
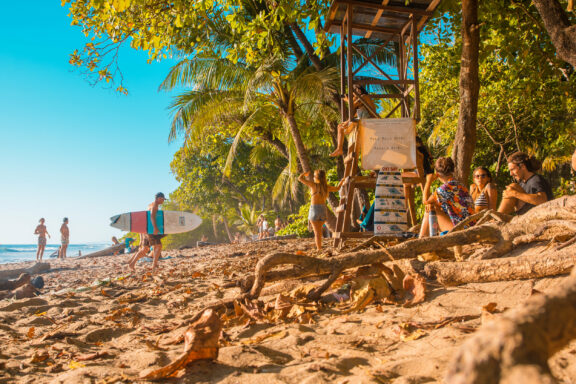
{"points": [[395, 26]]}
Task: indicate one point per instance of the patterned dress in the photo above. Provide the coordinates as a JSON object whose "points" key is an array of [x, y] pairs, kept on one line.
{"points": [[455, 201]]}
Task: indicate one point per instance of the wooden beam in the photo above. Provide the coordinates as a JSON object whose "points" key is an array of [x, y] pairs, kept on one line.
{"points": [[367, 27], [376, 19], [383, 82], [388, 8]]}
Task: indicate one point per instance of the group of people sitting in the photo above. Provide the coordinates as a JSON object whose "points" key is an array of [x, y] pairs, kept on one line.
{"points": [[452, 201]]}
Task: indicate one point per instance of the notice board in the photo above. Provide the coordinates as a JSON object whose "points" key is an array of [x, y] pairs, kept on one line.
{"points": [[388, 143]]}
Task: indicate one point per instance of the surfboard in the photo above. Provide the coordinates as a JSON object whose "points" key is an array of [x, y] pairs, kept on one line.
{"points": [[168, 222]]}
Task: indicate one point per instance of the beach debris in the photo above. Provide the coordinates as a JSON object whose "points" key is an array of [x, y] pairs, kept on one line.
{"points": [[366, 290], [201, 343], [75, 365], [39, 356], [92, 356], [415, 287]]}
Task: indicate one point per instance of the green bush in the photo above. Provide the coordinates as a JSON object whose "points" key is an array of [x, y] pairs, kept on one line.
{"points": [[298, 223]]}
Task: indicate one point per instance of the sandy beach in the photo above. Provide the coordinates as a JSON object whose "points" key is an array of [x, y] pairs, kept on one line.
{"points": [[93, 323]]}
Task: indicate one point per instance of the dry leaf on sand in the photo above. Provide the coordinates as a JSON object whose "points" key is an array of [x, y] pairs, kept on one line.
{"points": [[415, 287], [367, 290], [201, 342]]}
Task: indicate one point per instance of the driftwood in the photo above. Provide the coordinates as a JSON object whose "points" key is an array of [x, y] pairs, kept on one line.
{"points": [[8, 285], [104, 252], [33, 270], [533, 226], [516, 347], [509, 268]]}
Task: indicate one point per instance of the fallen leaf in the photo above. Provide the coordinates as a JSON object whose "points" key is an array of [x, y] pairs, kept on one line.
{"points": [[490, 307], [92, 356], [201, 342], [415, 286], [31, 332], [417, 334], [259, 339], [104, 293], [75, 365], [39, 356]]}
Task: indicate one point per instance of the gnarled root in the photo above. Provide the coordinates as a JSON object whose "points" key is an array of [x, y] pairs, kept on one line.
{"points": [[509, 268], [516, 347], [305, 266]]}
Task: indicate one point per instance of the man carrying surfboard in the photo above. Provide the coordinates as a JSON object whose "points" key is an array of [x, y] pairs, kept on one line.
{"points": [[153, 239]]}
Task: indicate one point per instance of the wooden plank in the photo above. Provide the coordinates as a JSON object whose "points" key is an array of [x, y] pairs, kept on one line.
{"points": [[368, 27], [389, 8], [376, 19], [383, 82], [352, 235]]}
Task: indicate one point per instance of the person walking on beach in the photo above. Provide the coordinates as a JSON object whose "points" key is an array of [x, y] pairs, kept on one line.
{"points": [[65, 238], [41, 231], [319, 190], [151, 240]]}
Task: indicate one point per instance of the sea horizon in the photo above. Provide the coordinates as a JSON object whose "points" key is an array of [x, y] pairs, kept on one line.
{"points": [[16, 253]]}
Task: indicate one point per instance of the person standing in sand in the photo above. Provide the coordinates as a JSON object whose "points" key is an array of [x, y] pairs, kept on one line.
{"points": [[41, 231], [319, 190], [65, 238], [151, 240]]}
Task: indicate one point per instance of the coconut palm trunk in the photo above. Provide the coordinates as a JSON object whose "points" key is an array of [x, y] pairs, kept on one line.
{"points": [[299, 144]]}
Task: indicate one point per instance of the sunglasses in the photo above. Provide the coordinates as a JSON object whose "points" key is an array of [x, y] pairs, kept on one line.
{"points": [[481, 176]]}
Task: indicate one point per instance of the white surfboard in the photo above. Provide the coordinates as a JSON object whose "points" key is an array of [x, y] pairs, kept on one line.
{"points": [[168, 222]]}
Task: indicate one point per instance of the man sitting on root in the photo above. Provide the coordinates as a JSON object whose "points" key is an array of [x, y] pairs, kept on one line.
{"points": [[530, 188]]}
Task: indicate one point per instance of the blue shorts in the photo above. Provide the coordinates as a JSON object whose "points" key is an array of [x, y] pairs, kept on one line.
{"points": [[318, 212]]}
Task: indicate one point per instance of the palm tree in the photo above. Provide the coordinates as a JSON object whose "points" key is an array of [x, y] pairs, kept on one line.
{"points": [[269, 98]]}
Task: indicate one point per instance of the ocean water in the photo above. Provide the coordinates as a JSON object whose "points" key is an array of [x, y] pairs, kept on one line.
{"points": [[14, 253]]}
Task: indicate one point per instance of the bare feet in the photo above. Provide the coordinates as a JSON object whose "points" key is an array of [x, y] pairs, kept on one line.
{"points": [[337, 152]]}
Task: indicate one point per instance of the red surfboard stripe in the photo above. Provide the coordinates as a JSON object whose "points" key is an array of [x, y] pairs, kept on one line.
{"points": [[138, 222]]}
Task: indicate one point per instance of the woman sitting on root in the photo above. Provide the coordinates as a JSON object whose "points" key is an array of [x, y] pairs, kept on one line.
{"points": [[451, 201], [483, 191], [319, 190]]}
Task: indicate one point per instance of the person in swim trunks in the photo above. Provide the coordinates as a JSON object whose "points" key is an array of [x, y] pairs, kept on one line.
{"points": [[41, 231], [65, 238], [151, 240], [319, 190]]}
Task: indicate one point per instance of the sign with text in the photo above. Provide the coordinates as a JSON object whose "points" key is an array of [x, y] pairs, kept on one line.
{"points": [[388, 143]]}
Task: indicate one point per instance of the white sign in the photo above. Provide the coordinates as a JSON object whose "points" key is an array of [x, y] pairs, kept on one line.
{"points": [[388, 143]]}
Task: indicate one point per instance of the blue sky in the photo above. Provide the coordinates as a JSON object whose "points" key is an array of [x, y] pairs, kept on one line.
{"points": [[69, 149]]}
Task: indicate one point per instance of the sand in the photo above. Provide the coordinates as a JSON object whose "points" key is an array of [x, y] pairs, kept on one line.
{"points": [[95, 324]]}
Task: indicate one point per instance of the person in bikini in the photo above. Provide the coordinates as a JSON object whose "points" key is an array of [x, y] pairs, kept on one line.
{"points": [[151, 240], [483, 191], [41, 231], [365, 108], [65, 238], [319, 190]]}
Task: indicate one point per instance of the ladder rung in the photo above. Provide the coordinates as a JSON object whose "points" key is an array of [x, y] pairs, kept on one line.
{"points": [[341, 208]]}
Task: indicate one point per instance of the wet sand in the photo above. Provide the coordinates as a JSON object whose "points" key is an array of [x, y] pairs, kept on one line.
{"points": [[94, 323]]}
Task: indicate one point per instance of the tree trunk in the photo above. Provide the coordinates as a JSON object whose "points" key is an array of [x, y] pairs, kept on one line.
{"points": [[307, 46], [509, 268], [562, 33], [300, 148], [230, 237], [465, 140], [516, 347], [215, 227]]}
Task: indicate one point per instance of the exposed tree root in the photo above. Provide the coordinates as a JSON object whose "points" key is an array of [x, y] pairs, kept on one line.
{"points": [[509, 268], [516, 347]]}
